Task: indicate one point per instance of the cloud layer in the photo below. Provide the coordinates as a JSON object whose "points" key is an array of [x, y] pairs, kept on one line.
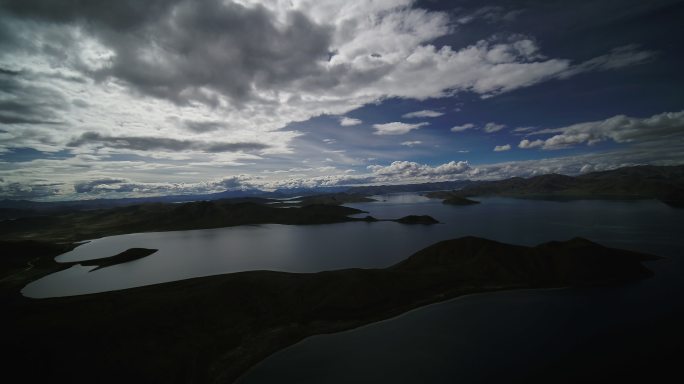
{"points": [[159, 96], [662, 127]]}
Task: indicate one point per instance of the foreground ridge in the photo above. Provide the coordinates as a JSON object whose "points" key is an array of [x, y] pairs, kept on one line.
{"points": [[212, 329]]}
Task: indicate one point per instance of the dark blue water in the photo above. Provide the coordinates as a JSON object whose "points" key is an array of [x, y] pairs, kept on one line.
{"points": [[573, 335]]}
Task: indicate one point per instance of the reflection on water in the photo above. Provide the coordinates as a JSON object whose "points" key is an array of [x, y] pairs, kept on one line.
{"points": [[643, 225]]}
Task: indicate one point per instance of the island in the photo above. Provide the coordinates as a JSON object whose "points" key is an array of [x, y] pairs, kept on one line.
{"points": [[417, 219], [126, 256], [451, 198], [213, 329]]}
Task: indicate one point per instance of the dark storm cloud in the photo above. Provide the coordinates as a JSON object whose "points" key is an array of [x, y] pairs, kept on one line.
{"points": [[203, 126], [179, 49], [120, 14], [29, 190], [235, 147], [9, 119], [28, 104], [146, 143]]}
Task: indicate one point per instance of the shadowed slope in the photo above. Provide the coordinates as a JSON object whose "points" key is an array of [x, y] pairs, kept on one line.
{"points": [[212, 329]]}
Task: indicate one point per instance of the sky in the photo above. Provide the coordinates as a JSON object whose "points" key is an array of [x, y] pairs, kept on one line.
{"points": [[105, 99]]}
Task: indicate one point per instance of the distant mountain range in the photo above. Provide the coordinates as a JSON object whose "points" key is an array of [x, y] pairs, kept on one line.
{"points": [[640, 182], [665, 183]]}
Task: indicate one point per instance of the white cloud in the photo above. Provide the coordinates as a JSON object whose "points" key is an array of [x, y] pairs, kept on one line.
{"points": [[526, 144], [493, 127], [411, 143], [523, 129], [230, 85], [423, 113], [409, 170], [617, 58], [396, 128], [348, 121], [461, 128], [502, 148], [662, 127], [489, 127]]}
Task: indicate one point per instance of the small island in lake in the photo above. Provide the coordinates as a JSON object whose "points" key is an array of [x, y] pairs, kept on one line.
{"points": [[417, 219], [121, 258], [451, 198]]}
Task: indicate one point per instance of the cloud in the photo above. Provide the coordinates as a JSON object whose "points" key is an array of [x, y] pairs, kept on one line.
{"points": [[493, 127], [523, 129], [526, 144], [221, 52], [619, 57], [411, 143], [145, 143], [189, 46], [489, 127], [409, 170], [203, 126], [318, 182], [490, 14], [111, 186], [23, 102], [128, 85], [396, 128], [92, 185], [33, 189], [502, 148], [461, 128], [423, 113], [661, 127], [348, 121]]}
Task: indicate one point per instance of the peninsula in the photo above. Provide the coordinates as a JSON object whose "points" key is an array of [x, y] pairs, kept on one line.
{"points": [[212, 329]]}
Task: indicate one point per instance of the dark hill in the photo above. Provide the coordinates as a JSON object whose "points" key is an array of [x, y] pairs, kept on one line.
{"points": [[82, 225], [212, 329], [640, 182]]}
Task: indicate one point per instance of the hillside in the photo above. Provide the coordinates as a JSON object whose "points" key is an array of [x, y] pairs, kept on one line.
{"points": [[212, 329], [640, 182], [81, 225]]}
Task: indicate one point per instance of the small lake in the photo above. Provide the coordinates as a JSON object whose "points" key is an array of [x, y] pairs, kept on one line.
{"points": [[639, 225]]}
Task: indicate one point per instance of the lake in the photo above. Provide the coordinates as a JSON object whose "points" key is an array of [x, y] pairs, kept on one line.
{"points": [[640, 225], [513, 336], [478, 338]]}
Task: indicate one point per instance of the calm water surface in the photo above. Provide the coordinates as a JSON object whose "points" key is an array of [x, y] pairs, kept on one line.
{"points": [[644, 225]]}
